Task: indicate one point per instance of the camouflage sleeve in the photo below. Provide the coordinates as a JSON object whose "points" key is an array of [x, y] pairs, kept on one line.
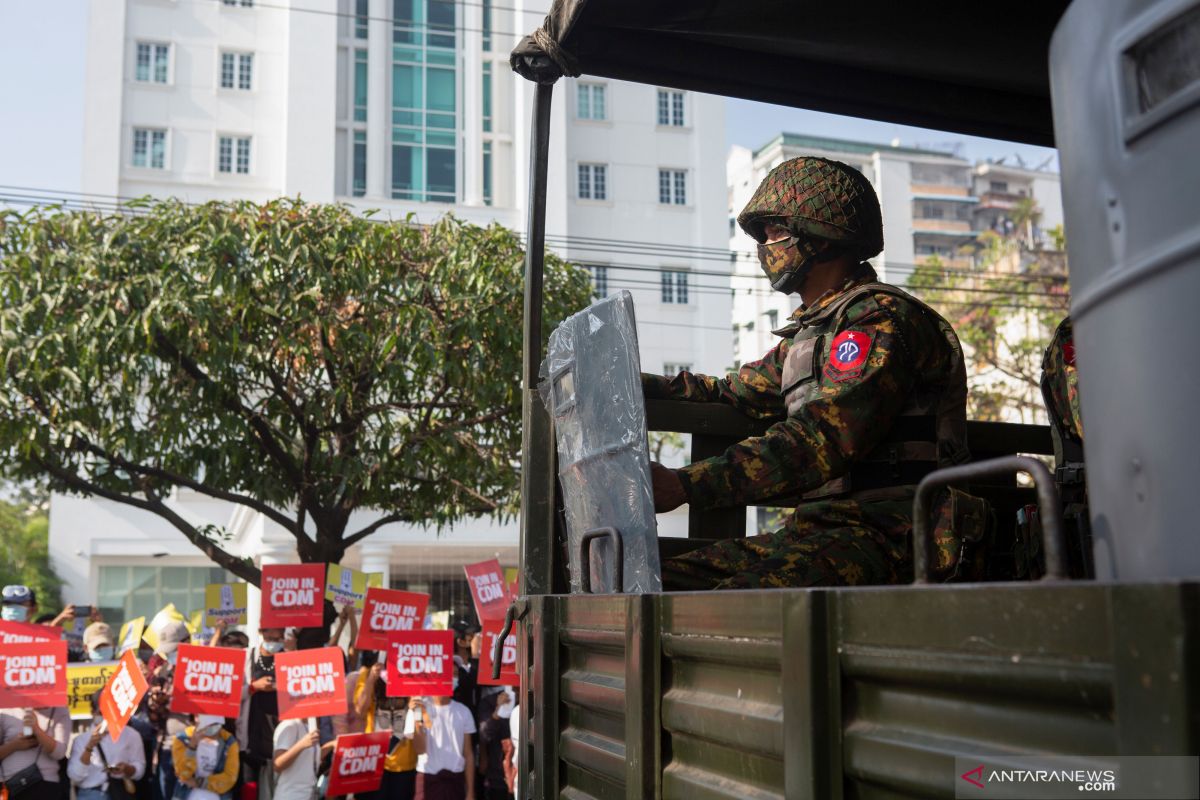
{"points": [[753, 389], [857, 398]]}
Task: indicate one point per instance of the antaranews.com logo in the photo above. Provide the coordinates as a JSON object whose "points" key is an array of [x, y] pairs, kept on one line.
{"points": [[1054, 777]]}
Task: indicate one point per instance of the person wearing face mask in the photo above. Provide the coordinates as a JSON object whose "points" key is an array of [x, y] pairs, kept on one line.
{"points": [[496, 749], [160, 674], [261, 713], [206, 760], [101, 769], [378, 712], [444, 732], [19, 604], [98, 644], [867, 388]]}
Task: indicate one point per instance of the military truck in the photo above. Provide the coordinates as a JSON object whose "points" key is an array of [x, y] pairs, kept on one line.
{"points": [[876, 691]]}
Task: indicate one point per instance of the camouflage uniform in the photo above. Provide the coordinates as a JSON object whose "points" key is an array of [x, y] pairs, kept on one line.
{"points": [[1060, 383], [869, 389]]}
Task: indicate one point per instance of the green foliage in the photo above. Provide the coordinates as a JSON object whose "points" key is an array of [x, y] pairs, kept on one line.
{"points": [[25, 553], [298, 359], [1004, 310]]}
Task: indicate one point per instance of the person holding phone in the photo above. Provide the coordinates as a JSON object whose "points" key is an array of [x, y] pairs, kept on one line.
{"points": [[101, 769], [32, 742]]}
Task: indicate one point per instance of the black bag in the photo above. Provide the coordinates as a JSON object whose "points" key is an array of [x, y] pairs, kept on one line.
{"points": [[22, 780]]}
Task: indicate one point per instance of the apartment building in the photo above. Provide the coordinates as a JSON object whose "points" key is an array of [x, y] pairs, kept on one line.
{"points": [[407, 107]]}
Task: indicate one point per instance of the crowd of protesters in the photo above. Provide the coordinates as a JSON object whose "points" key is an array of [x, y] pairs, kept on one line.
{"points": [[441, 748]]}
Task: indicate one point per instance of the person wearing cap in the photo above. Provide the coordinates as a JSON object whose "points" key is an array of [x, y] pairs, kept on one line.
{"points": [[160, 674], [98, 767], [866, 392], [98, 642], [206, 760]]}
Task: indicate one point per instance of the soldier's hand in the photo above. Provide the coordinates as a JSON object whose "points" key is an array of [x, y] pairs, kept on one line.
{"points": [[668, 490]]}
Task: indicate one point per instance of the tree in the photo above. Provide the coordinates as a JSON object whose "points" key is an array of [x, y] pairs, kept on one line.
{"points": [[1004, 310], [296, 359], [25, 552]]}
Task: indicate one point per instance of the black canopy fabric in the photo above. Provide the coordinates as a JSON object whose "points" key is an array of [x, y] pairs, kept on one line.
{"points": [[951, 65]]}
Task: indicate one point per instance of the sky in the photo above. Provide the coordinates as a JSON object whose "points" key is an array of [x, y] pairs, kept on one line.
{"points": [[42, 98]]}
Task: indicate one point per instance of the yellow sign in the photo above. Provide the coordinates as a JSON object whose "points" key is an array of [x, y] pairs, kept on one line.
{"points": [[201, 632], [225, 601], [345, 586], [131, 634], [167, 615], [83, 681]]}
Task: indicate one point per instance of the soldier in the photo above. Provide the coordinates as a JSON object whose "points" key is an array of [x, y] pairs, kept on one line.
{"points": [[869, 392]]}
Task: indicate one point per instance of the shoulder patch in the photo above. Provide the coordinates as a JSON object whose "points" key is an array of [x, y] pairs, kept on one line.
{"points": [[848, 355], [1068, 351]]}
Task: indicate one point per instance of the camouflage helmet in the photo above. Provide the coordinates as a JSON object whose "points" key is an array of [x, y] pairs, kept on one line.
{"points": [[818, 198]]}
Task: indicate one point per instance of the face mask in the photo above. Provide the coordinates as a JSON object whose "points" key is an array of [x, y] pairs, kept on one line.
{"points": [[14, 613], [211, 731], [504, 711], [272, 647], [787, 262], [172, 657], [101, 653]]}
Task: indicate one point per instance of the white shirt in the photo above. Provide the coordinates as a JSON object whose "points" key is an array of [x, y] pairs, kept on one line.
{"points": [[444, 739], [297, 782], [126, 750]]}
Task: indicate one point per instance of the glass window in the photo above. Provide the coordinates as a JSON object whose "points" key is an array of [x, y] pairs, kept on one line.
{"points": [[440, 169], [149, 148], [670, 108], [128, 592], [233, 154], [487, 173], [599, 280], [487, 25], [677, 108], [664, 108], [674, 286], [593, 182], [585, 181], [361, 18], [228, 70], [225, 154], [360, 85], [237, 70], [672, 187], [680, 187], [245, 65], [441, 23], [676, 367], [487, 96], [590, 101], [360, 164], [153, 63], [243, 156]]}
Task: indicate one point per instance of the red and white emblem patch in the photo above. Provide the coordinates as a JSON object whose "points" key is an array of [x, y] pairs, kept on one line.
{"points": [[1069, 352], [848, 355]]}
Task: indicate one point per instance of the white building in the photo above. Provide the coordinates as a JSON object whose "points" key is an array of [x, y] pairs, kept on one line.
{"points": [[933, 203], [406, 106]]}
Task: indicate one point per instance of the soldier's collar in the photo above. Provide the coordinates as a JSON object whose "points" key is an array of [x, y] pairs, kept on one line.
{"points": [[863, 274]]}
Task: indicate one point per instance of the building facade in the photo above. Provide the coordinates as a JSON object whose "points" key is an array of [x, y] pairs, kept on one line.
{"points": [[407, 107]]}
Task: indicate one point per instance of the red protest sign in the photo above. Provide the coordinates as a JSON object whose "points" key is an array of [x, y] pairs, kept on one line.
{"points": [[420, 663], [488, 589], [25, 632], [293, 595], [357, 765], [122, 694], [310, 683], [33, 675], [508, 663], [386, 611], [208, 680]]}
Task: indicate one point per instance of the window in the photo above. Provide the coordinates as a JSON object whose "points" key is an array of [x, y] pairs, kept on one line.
{"points": [[487, 96], [670, 108], [236, 70], [424, 157], [360, 85], [126, 592], [672, 368], [153, 61], [997, 186], [359, 187], [149, 148], [672, 187], [362, 17], [590, 101], [675, 286], [487, 173], [242, 3], [593, 182], [233, 154], [487, 25], [599, 280]]}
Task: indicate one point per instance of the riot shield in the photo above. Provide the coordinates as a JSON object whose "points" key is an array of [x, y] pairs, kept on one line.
{"points": [[591, 385]]}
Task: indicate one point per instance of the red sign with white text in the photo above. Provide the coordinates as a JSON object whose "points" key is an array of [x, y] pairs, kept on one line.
{"points": [[293, 595], [420, 663], [122, 694], [488, 589], [310, 683], [208, 680], [508, 663], [25, 632], [386, 611], [357, 765], [33, 675]]}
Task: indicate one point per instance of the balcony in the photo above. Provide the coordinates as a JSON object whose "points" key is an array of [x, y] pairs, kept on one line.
{"points": [[942, 226], [942, 189], [1000, 201]]}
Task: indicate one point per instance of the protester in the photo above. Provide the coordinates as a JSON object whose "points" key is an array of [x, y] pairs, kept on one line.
{"points": [[444, 730], [19, 603], [32, 742], [496, 749], [98, 642], [298, 752], [382, 713], [206, 761], [468, 641], [160, 675], [262, 712], [100, 769]]}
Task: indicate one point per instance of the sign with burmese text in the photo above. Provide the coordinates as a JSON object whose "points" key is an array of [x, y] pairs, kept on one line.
{"points": [[489, 590], [508, 657], [310, 683], [387, 611], [420, 663], [122, 694], [33, 675], [357, 765], [293, 595], [25, 632], [208, 680]]}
